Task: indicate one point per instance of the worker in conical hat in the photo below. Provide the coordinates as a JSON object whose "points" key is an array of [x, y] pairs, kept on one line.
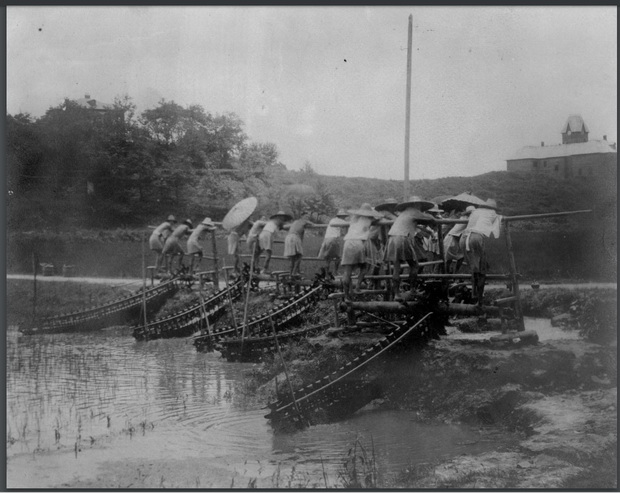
{"points": [[354, 252], [293, 242], [158, 238], [401, 242], [173, 246], [265, 239], [483, 223], [331, 248], [194, 248]]}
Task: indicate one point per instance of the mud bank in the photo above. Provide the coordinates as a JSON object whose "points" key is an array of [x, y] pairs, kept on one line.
{"points": [[559, 397]]}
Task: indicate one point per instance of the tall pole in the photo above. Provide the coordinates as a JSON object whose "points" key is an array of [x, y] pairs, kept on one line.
{"points": [[35, 263], [408, 111], [144, 279]]}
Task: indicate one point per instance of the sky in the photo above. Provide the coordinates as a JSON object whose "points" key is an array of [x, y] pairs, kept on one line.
{"points": [[327, 85]]}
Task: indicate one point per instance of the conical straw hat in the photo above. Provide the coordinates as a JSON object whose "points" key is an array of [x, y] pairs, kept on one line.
{"points": [[389, 205], [240, 212], [424, 205], [281, 214], [366, 210]]}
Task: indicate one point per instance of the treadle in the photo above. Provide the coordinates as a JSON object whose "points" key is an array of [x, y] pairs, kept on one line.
{"points": [[345, 389], [260, 325], [121, 311], [191, 319]]}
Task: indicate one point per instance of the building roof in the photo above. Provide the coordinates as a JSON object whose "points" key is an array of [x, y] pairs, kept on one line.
{"points": [[575, 124], [563, 150], [93, 104]]}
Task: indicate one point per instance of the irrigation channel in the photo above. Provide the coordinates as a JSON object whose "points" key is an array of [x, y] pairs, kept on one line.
{"points": [[80, 405]]}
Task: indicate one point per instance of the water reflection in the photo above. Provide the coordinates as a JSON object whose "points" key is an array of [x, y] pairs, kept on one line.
{"points": [[168, 400]]}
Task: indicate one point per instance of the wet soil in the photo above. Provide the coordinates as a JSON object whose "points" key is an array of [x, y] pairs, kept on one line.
{"points": [[559, 396]]}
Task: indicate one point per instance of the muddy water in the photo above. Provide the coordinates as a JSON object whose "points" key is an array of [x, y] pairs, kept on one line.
{"points": [[92, 398]]}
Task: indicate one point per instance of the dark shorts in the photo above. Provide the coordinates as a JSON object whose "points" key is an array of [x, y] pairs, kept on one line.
{"points": [[400, 248], [331, 248], [452, 248], [476, 255], [353, 252]]}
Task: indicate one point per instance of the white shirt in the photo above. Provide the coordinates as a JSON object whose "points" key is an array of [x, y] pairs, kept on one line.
{"points": [[405, 224], [359, 228], [271, 227], [484, 221], [334, 226]]}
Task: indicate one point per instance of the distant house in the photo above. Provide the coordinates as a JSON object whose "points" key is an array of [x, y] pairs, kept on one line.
{"points": [[92, 104], [576, 156]]}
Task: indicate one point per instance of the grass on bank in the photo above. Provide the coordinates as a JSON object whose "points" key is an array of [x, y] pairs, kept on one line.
{"points": [[56, 298]]}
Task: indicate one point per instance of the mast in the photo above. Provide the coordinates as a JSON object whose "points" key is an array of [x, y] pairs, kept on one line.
{"points": [[408, 111]]}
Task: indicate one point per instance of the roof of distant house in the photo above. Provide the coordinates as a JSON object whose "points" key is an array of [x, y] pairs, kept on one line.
{"points": [[575, 124], [93, 104], [563, 150]]}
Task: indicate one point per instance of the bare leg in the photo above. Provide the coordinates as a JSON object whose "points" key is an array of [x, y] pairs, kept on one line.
{"points": [[267, 260], [395, 278], [360, 277], [413, 274], [346, 281], [481, 283]]}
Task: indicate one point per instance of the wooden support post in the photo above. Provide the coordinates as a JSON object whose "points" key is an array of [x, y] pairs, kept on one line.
{"points": [[247, 298], [408, 307], [144, 278], [442, 267], [514, 277], [290, 386], [215, 261], [336, 308], [34, 294], [230, 302]]}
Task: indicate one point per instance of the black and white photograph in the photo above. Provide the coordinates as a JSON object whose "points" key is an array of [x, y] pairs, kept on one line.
{"points": [[311, 247]]}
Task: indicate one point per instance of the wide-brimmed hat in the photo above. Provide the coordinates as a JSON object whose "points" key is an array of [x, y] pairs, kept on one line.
{"points": [[207, 222], [341, 213], [414, 200], [435, 209], [189, 223], [389, 205], [241, 211], [171, 218], [282, 215], [489, 204], [366, 210], [461, 201]]}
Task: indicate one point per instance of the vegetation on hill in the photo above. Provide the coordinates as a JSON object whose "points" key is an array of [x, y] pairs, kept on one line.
{"points": [[78, 168]]}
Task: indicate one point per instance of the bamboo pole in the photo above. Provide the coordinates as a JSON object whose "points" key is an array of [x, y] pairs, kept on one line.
{"points": [[288, 380], [204, 311], [524, 217], [215, 261], [247, 297], [407, 307], [230, 303], [34, 294], [541, 216], [442, 253], [514, 277], [408, 110], [144, 278]]}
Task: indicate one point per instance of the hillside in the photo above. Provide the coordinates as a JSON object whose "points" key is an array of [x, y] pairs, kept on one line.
{"points": [[516, 193]]}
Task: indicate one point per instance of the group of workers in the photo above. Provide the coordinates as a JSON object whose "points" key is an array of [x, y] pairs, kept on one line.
{"points": [[390, 235]]}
